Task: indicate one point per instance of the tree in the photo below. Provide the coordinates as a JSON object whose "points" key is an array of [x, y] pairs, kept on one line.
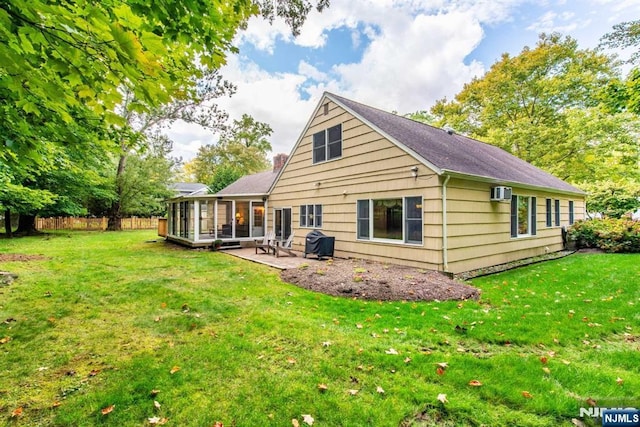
{"points": [[623, 36], [612, 198], [74, 63], [241, 150], [543, 106]]}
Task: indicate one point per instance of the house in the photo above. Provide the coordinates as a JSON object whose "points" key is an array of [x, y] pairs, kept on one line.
{"points": [[395, 190], [188, 188]]}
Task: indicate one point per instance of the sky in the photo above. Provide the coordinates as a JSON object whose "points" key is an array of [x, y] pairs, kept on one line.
{"points": [[397, 55]]}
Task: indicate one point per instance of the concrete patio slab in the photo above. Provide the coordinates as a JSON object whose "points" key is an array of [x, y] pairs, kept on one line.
{"points": [[282, 262]]}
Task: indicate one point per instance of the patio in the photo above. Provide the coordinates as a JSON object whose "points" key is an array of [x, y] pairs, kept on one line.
{"points": [[281, 263]]}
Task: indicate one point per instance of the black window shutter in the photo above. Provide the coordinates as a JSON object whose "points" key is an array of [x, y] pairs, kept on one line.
{"points": [[514, 216], [533, 215]]}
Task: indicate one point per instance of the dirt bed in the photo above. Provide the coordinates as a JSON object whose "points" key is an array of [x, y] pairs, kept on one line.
{"points": [[21, 257], [377, 281]]}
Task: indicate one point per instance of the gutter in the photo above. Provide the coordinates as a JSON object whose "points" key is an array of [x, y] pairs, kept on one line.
{"points": [[445, 248]]}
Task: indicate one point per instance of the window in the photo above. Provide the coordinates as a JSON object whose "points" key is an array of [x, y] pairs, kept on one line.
{"points": [[311, 216], [571, 213], [549, 214], [397, 219], [327, 144], [523, 216], [557, 218]]}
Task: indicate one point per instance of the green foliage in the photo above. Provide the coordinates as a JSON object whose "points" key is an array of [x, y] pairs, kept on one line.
{"points": [[223, 176], [624, 35], [608, 234], [242, 150], [543, 107], [612, 198]]}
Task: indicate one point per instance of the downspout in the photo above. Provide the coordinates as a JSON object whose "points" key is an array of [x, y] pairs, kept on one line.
{"points": [[445, 248]]}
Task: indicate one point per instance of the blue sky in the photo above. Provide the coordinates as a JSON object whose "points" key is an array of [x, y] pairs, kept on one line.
{"points": [[398, 55]]}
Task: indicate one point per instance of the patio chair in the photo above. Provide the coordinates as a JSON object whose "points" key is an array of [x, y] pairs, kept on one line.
{"points": [[285, 247], [267, 244]]}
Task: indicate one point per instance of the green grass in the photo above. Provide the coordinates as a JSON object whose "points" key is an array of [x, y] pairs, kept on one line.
{"points": [[107, 316]]}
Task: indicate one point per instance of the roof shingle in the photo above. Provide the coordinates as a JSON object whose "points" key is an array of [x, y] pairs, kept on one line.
{"points": [[452, 152]]}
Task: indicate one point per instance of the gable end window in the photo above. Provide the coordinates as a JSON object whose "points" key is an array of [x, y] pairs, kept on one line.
{"points": [[523, 216], [327, 144], [311, 216], [390, 220]]}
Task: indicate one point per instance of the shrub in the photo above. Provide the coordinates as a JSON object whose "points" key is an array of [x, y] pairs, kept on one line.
{"points": [[608, 234]]}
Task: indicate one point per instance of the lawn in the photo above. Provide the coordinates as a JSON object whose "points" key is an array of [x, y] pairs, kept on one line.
{"points": [[151, 334]]}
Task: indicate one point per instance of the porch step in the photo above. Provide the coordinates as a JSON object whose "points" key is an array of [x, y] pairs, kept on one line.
{"points": [[230, 245]]}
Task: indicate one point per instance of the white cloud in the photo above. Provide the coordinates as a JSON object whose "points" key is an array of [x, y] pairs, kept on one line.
{"points": [[417, 53]]}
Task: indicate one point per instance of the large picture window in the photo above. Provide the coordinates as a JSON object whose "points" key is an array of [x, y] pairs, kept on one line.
{"points": [[523, 216], [327, 144], [311, 216], [396, 220]]}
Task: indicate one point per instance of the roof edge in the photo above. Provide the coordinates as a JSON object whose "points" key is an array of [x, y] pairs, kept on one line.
{"points": [[492, 180]]}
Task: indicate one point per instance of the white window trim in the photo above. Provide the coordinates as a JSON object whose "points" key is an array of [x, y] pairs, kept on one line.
{"points": [[529, 221], [326, 145], [313, 207], [401, 242]]}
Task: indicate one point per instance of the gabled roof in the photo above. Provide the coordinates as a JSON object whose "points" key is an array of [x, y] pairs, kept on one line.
{"points": [[450, 153], [189, 188], [257, 184]]}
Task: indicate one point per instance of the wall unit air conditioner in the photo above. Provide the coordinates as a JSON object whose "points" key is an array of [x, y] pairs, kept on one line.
{"points": [[499, 194]]}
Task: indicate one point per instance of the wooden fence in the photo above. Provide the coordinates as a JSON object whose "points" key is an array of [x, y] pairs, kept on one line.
{"points": [[78, 223]]}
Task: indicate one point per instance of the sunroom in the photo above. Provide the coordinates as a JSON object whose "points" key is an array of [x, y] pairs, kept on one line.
{"points": [[236, 215], [198, 221]]}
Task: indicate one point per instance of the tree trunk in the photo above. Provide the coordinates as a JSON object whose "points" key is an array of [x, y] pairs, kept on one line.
{"points": [[7, 223], [115, 212], [26, 224]]}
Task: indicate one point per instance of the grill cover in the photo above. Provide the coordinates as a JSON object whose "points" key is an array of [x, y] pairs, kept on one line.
{"points": [[319, 244]]}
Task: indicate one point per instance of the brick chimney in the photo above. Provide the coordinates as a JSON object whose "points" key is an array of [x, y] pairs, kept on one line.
{"points": [[278, 161]]}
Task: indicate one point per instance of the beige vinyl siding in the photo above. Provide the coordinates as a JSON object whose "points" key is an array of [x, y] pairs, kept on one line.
{"points": [[479, 230], [371, 167]]}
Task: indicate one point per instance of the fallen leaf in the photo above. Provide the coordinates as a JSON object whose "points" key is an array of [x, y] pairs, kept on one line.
{"points": [[475, 383], [16, 412], [353, 392], [5, 340], [291, 360], [527, 395], [619, 380], [156, 404], [154, 392], [108, 409], [407, 360], [443, 398], [439, 371], [391, 351], [443, 365], [218, 424], [93, 372], [157, 421], [592, 402], [56, 404], [544, 360], [576, 422], [295, 423], [174, 370], [307, 419], [358, 325], [326, 343], [157, 319], [379, 390], [546, 370], [163, 305], [323, 387]]}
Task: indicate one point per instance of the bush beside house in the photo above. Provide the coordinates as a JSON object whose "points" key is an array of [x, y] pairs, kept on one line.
{"points": [[608, 234]]}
